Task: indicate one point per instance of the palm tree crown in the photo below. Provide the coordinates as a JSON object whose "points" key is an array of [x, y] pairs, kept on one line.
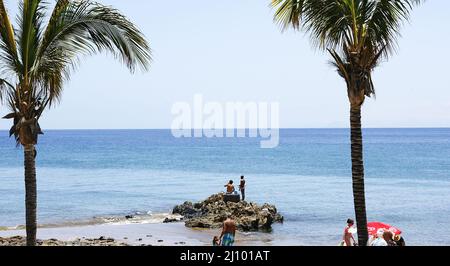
{"points": [[36, 59], [357, 33]]}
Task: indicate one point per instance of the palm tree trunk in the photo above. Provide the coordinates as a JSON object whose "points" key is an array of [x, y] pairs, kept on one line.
{"points": [[30, 193], [358, 175]]}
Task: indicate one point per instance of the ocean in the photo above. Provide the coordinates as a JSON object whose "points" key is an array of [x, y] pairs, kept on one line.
{"points": [[83, 174]]}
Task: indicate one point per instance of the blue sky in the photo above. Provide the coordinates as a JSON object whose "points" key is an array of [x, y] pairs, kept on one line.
{"points": [[232, 51]]}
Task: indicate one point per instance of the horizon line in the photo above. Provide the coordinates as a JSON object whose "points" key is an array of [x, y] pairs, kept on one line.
{"points": [[281, 128]]}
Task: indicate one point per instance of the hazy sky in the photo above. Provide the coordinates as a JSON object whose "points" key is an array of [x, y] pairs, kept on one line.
{"points": [[230, 50]]}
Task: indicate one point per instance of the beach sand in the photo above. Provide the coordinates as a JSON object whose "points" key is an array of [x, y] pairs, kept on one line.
{"points": [[171, 234]]}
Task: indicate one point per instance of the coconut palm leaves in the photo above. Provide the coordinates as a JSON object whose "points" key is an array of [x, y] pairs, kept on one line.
{"points": [[357, 33], [333, 23], [8, 50], [86, 28], [40, 58]]}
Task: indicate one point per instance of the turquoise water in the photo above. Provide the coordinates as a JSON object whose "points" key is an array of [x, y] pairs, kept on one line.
{"points": [[85, 174]]}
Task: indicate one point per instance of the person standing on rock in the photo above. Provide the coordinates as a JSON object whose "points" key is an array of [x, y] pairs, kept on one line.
{"points": [[228, 232], [242, 188]]}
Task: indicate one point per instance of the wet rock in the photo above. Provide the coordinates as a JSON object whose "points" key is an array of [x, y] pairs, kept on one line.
{"points": [[173, 219], [21, 241], [187, 210], [211, 213], [205, 222]]}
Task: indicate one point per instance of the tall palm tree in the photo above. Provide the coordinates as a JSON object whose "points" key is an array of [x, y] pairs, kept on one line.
{"points": [[358, 34], [36, 60]]}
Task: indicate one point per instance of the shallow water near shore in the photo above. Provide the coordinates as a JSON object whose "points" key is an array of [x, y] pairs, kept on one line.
{"points": [[87, 176], [174, 234]]}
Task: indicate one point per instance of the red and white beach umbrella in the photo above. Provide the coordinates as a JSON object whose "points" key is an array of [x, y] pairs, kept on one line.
{"points": [[375, 226]]}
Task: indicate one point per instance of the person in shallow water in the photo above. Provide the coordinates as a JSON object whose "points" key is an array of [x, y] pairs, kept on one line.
{"points": [[378, 240], [348, 238], [242, 188], [230, 187], [216, 241], [228, 232]]}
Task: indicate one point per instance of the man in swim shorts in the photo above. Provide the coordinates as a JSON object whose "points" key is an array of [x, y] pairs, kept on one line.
{"points": [[228, 232]]}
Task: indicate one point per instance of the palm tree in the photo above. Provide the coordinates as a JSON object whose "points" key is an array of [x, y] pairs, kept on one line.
{"points": [[358, 34], [36, 60]]}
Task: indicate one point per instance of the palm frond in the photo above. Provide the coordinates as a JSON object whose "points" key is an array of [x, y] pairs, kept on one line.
{"points": [[288, 12], [30, 21], [338, 62], [4, 87], [385, 21], [83, 27], [9, 60], [332, 23]]}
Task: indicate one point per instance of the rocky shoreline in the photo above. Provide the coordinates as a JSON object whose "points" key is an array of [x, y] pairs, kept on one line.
{"points": [[102, 241], [211, 213], [207, 214]]}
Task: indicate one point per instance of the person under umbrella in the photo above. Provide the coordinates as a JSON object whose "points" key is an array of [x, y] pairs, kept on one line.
{"points": [[378, 240]]}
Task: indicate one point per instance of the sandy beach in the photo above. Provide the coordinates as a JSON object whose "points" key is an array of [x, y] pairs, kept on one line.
{"points": [[172, 234]]}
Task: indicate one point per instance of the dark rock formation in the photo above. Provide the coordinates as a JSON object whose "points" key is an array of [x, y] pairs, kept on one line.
{"points": [[211, 213]]}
